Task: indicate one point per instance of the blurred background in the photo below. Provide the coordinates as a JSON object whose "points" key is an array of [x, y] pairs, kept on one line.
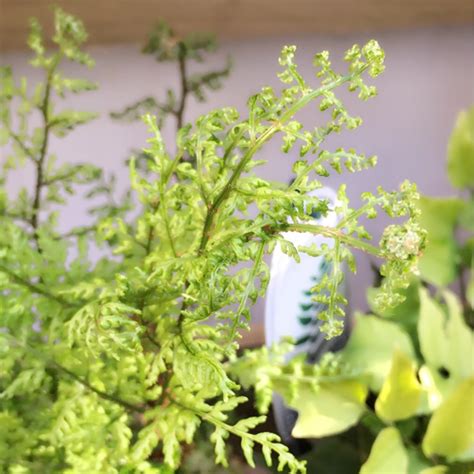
{"points": [[429, 78]]}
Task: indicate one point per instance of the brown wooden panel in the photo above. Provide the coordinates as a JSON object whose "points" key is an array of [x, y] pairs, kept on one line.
{"points": [[114, 21]]}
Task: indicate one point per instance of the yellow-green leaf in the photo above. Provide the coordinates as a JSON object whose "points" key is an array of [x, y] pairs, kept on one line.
{"points": [[461, 151], [401, 392], [431, 331], [460, 340], [332, 409], [450, 432], [371, 347], [388, 455], [435, 389], [446, 342], [405, 314], [440, 259], [434, 470]]}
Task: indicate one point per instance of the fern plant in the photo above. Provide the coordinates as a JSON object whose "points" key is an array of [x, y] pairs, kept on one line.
{"points": [[166, 46], [112, 365], [406, 376]]}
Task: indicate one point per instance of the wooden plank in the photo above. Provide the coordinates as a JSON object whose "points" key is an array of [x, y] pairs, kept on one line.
{"points": [[125, 21]]}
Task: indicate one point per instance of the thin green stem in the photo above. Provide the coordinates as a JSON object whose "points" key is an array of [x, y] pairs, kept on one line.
{"points": [[26, 150], [335, 277], [78, 232], [248, 288], [273, 444], [264, 137], [354, 215], [336, 234], [13, 216], [100, 393], [164, 216], [55, 365], [36, 288]]}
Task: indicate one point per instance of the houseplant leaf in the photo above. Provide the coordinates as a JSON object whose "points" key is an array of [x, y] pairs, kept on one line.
{"points": [[388, 455], [406, 313], [440, 259], [450, 432], [446, 342], [371, 347], [431, 331], [331, 409], [461, 151], [401, 391]]}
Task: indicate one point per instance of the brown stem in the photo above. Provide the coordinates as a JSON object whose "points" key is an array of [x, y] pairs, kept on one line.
{"points": [[184, 87], [44, 109]]}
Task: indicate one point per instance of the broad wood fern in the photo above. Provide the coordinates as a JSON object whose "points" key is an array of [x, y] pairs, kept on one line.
{"points": [[112, 365]]}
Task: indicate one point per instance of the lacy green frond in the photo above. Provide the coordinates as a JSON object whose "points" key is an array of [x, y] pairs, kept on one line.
{"points": [[112, 364]]}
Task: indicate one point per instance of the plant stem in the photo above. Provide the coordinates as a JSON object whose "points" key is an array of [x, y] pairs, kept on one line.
{"points": [[233, 429], [245, 296], [337, 234], [44, 109], [36, 289], [100, 393], [60, 368], [224, 194], [29, 153], [184, 86], [265, 136]]}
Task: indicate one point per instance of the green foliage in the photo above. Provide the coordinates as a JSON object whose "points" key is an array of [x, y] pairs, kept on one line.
{"points": [[166, 46], [434, 388], [113, 365], [387, 455], [449, 252], [440, 216], [461, 151], [416, 360]]}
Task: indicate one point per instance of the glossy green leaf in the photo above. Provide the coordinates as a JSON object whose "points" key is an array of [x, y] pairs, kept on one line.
{"points": [[460, 339], [461, 151], [436, 388], [406, 313], [447, 343], [440, 259], [388, 455], [401, 392], [330, 409], [371, 347], [450, 432], [431, 331]]}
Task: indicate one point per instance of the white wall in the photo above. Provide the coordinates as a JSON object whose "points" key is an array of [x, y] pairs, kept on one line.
{"points": [[429, 78]]}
